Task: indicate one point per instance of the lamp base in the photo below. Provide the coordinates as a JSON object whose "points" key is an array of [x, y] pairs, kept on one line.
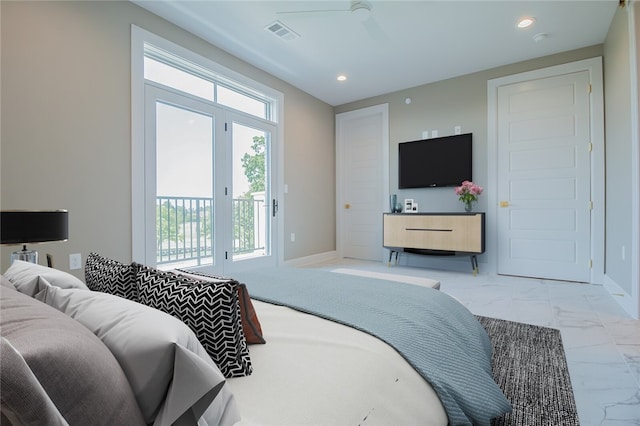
{"points": [[25, 255]]}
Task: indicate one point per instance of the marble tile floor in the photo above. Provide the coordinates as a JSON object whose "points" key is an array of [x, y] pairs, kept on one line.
{"points": [[601, 341]]}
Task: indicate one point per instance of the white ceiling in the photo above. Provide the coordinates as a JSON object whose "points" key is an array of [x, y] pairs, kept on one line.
{"points": [[403, 43]]}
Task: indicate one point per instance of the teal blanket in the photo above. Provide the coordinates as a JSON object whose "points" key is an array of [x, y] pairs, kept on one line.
{"points": [[438, 336]]}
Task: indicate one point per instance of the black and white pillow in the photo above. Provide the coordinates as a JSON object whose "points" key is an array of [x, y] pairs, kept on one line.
{"points": [[249, 318], [210, 309], [110, 276]]}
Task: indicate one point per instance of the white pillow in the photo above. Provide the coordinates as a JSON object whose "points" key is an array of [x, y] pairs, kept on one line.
{"points": [[6, 283], [172, 376], [24, 276]]}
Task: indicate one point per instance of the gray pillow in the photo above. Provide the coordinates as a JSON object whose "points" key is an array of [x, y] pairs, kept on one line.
{"points": [[27, 403], [24, 276], [170, 373], [5, 282], [75, 369]]}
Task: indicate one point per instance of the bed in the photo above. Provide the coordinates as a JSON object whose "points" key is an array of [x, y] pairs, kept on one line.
{"points": [[420, 357], [323, 363], [295, 383]]}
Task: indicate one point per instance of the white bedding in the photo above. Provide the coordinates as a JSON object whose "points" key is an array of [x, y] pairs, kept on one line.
{"points": [[313, 371]]}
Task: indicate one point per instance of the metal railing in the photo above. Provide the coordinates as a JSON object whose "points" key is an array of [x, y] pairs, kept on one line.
{"points": [[185, 228]]}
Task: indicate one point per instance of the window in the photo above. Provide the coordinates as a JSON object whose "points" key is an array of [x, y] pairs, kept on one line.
{"points": [[205, 141], [173, 71]]}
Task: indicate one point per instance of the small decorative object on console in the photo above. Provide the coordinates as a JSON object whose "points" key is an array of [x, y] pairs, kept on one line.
{"points": [[410, 206], [394, 205], [468, 193]]}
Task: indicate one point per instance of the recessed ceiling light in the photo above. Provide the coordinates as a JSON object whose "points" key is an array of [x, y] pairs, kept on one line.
{"points": [[342, 77], [526, 22]]}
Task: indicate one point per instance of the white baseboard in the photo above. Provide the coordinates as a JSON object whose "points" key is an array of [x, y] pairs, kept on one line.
{"points": [[309, 260], [621, 296]]}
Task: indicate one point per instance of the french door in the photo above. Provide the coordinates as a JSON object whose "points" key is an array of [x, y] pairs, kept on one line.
{"points": [[207, 185]]}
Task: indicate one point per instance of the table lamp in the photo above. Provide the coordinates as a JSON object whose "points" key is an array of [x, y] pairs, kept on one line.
{"points": [[22, 227]]}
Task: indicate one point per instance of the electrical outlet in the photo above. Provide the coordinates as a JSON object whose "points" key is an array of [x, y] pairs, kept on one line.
{"points": [[434, 133], [293, 237], [457, 130], [75, 261]]}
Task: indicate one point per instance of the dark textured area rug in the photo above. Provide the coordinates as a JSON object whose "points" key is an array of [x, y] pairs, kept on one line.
{"points": [[530, 367]]}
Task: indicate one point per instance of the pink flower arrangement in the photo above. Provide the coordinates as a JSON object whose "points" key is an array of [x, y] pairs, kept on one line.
{"points": [[468, 193]]}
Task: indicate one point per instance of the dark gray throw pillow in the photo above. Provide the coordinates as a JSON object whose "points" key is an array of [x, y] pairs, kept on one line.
{"points": [[111, 276], [75, 369], [210, 309]]}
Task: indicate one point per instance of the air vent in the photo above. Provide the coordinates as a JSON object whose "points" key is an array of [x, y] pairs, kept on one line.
{"points": [[282, 31]]}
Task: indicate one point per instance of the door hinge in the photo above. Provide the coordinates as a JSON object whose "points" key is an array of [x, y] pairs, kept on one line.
{"points": [[590, 147], [274, 207], [225, 127], [590, 205], [225, 191], [589, 88], [226, 255], [590, 263]]}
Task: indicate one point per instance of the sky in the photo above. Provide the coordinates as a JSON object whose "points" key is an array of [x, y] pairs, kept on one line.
{"points": [[184, 153], [185, 138]]}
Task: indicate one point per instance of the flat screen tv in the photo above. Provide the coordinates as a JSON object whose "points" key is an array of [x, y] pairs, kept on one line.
{"points": [[435, 162]]}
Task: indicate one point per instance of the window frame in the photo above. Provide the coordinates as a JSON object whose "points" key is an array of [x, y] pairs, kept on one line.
{"points": [[140, 40]]}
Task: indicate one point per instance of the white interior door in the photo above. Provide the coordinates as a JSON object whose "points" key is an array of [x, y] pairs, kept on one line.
{"points": [[544, 166], [362, 139]]}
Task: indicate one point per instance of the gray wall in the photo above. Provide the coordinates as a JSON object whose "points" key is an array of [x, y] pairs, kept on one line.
{"points": [[66, 127], [460, 101], [619, 160]]}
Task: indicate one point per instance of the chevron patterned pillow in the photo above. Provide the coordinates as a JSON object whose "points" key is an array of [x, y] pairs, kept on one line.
{"points": [[210, 309], [110, 276], [250, 323]]}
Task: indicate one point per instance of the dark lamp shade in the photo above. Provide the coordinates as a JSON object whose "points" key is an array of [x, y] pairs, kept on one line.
{"points": [[21, 227]]}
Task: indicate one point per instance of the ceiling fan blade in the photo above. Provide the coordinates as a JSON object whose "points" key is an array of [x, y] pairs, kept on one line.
{"points": [[291, 12], [375, 31], [358, 7]]}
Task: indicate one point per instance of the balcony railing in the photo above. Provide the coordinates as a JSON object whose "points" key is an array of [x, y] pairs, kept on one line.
{"points": [[185, 231]]}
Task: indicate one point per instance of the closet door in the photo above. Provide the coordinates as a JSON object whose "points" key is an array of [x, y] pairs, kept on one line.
{"points": [[362, 148], [544, 175]]}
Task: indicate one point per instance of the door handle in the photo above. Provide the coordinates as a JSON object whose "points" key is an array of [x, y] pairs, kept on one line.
{"points": [[347, 206], [504, 204]]}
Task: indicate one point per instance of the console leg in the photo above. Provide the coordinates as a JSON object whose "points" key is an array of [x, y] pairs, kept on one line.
{"points": [[391, 253], [474, 265]]}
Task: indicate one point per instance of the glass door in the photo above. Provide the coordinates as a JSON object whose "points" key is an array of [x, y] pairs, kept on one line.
{"points": [[208, 174], [252, 206], [183, 185]]}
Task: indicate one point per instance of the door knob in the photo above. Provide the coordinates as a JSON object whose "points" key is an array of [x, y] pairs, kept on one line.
{"points": [[504, 204], [347, 206]]}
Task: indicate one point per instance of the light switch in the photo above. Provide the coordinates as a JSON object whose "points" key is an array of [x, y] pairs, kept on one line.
{"points": [[75, 261]]}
